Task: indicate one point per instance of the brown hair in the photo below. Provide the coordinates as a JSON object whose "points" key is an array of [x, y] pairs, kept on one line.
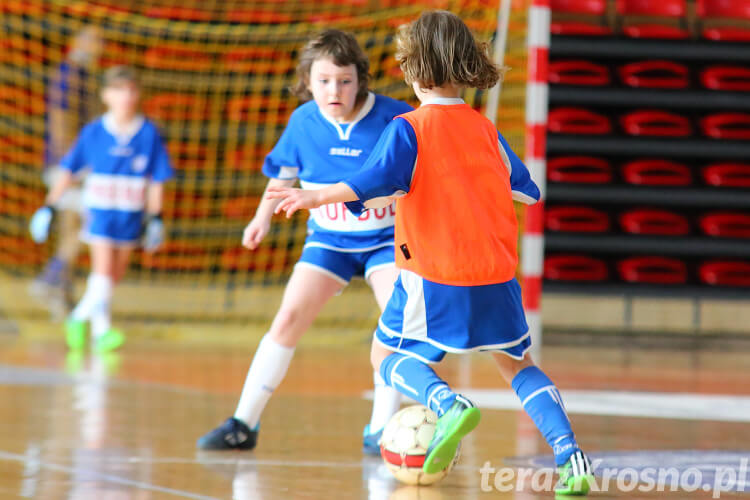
{"points": [[438, 48], [119, 74], [343, 49]]}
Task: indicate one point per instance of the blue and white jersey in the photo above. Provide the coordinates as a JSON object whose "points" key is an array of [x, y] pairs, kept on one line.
{"points": [[319, 151], [119, 166]]}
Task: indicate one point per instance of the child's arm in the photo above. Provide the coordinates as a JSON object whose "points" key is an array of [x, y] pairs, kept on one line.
{"points": [[289, 200], [386, 173], [522, 186], [260, 224]]}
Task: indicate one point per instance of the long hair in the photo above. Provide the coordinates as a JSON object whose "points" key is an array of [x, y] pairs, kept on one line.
{"points": [[438, 48]]}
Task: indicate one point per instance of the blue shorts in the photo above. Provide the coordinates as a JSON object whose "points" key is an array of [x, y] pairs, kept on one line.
{"points": [[425, 320], [122, 229], [341, 265]]}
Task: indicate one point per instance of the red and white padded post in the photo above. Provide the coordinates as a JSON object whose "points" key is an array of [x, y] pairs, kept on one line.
{"points": [[532, 243]]}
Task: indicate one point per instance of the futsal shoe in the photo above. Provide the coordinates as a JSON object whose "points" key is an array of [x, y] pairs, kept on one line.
{"points": [[233, 434], [460, 419], [576, 476], [109, 341], [75, 334], [371, 441]]}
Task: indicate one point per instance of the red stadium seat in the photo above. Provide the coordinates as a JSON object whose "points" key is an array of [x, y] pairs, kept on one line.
{"points": [[655, 172], [578, 73], [657, 222], [177, 256], [259, 16], [576, 220], [736, 175], [176, 106], [578, 121], [727, 126], [180, 13], [579, 169], [240, 207], [257, 109], [725, 273], [653, 270], [674, 10], [726, 225], [655, 74], [577, 27], [575, 268], [736, 78], [710, 10], [178, 58], [651, 122], [258, 60]]}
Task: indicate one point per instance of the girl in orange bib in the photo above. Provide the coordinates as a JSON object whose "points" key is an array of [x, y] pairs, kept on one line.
{"points": [[455, 179]]}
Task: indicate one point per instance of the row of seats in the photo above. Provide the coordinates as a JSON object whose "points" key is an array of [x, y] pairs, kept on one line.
{"points": [[655, 74], [581, 169], [648, 122], [654, 270], [646, 221], [665, 19]]}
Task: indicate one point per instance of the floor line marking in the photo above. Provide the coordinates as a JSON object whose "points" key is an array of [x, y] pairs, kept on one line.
{"points": [[4, 455]]}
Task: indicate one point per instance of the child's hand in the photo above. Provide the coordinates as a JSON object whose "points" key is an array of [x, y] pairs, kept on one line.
{"points": [[293, 199], [254, 233], [40, 223], [153, 234]]}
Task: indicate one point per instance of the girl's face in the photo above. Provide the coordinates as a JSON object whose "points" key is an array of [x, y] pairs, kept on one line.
{"points": [[121, 99], [334, 88]]}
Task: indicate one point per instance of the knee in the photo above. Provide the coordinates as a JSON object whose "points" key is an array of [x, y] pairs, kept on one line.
{"points": [[285, 328]]}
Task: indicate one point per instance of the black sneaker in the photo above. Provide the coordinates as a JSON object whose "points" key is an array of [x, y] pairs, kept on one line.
{"points": [[233, 434]]}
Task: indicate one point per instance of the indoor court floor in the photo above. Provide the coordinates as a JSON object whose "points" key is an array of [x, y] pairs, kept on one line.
{"points": [[124, 425]]}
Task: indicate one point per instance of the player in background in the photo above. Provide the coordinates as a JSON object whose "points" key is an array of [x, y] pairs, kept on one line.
{"points": [[124, 163], [71, 104], [326, 140], [455, 237]]}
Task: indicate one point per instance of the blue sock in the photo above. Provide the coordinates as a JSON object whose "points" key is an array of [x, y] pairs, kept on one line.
{"points": [[417, 380], [542, 401]]}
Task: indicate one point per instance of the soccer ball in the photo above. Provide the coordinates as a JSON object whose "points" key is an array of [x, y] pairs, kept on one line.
{"points": [[404, 445]]}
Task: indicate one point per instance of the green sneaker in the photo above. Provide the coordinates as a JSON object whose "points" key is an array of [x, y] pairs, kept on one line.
{"points": [[75, 334], [576, 477], [460, 419], [109, 341]]}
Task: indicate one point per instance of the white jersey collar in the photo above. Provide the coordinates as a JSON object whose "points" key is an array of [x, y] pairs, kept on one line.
{"points": [[124, 135], [444, 101], [363, 111]]}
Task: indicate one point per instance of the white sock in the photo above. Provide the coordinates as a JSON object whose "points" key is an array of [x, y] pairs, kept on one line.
{"points": [[266, 372], [101, 319], [98, 291], [386, 402]]}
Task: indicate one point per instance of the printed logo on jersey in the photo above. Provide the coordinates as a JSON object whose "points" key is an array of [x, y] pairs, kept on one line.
{"points": [[115, 192], [121, 151], [354, 153], [336, 217], [140, 162]]}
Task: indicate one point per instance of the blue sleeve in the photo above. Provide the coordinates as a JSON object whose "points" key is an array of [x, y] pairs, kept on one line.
{"points": [[389, 168], [523, 187], [75, 159], [283, 160], [161, 169]]}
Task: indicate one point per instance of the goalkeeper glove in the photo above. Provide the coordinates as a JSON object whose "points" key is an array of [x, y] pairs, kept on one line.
{"points": [[153, 233], [40, 223]]}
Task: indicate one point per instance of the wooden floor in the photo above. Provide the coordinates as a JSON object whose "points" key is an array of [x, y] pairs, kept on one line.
{"points": [[124, 425]]}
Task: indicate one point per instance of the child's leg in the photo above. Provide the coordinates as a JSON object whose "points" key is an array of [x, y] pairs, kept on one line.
{"points": [[97, 294], [386, 400], [457, 416], [542, 401], [101, 319], [305, 295]]}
